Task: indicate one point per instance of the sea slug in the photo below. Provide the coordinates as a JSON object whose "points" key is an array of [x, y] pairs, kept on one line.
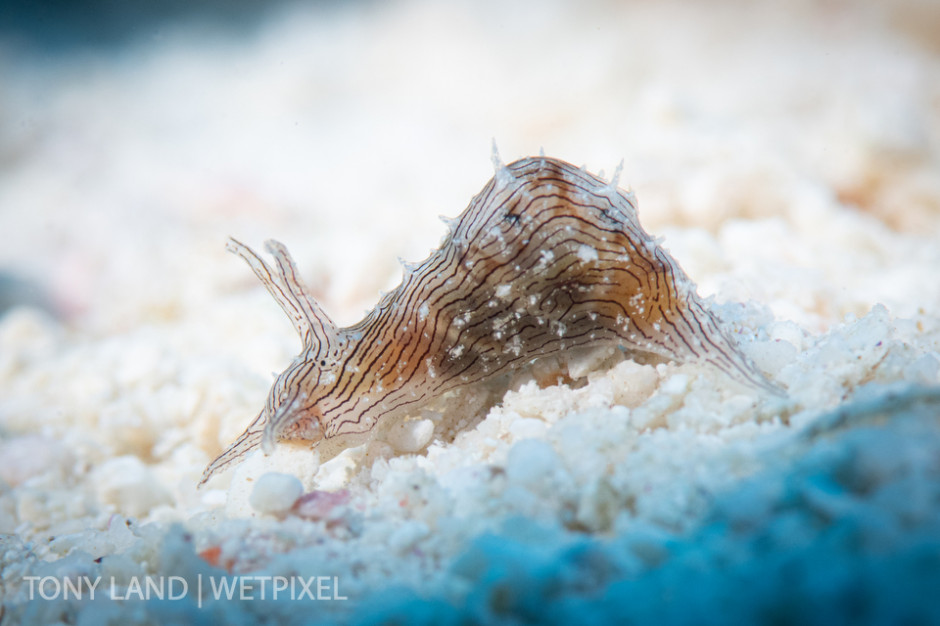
{"points": [[548, 264]]}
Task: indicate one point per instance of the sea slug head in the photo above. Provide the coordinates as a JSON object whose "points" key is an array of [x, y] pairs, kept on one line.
{"points": [[293, 410]]}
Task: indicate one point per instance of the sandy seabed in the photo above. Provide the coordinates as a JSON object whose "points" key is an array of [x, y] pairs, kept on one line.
{"points": [[788, 153]]}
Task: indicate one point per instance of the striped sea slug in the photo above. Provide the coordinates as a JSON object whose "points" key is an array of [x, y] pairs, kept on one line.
{"points": [[548, 264]]}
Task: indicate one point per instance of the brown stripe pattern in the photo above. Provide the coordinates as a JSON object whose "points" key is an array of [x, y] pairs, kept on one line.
{"points": [[546, 260]]}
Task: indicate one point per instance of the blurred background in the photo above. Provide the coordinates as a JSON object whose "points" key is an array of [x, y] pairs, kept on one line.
{"points": [[136, 136]]}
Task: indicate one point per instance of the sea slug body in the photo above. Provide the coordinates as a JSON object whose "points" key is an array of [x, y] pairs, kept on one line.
{"points": [[548, 263]]}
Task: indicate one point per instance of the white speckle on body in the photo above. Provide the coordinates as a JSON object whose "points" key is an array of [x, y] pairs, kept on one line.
{"points": [[586, 253], [423, 311]]}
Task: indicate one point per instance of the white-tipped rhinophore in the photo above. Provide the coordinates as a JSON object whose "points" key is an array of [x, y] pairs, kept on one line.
{"points": [[503, 174], [615, 179], [317, 331]]}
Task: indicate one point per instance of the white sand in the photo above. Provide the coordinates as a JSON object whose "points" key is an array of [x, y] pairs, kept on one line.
{"points": [[789, 155]]}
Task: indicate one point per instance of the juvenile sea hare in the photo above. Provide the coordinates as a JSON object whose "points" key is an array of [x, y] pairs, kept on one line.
{"points": [[547, 265]]}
